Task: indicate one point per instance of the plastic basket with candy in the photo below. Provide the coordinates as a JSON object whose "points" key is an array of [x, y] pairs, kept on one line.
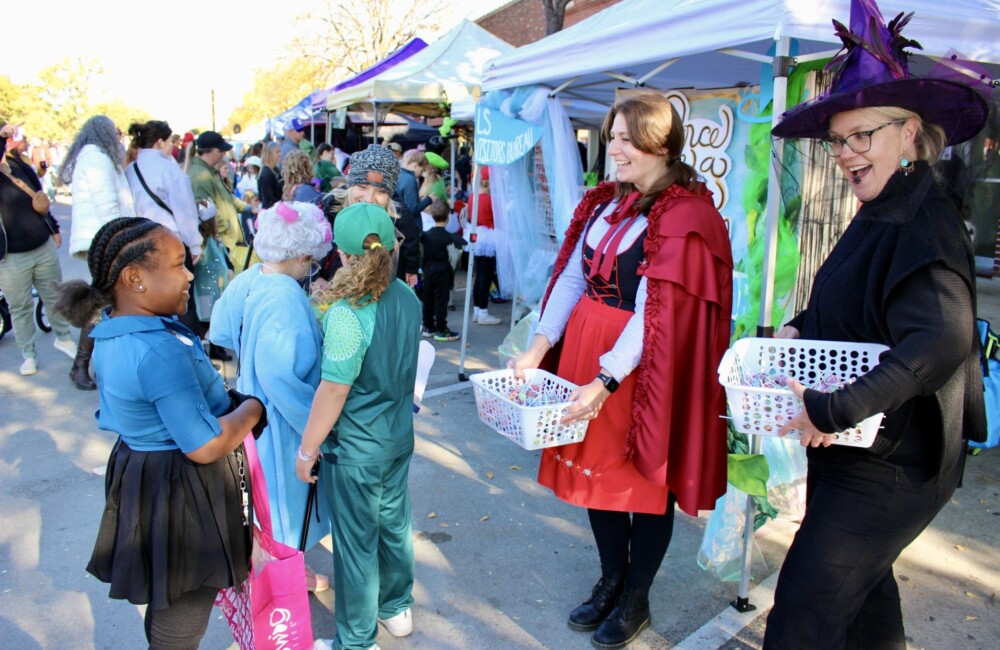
{"points": [[527, 411], [753, 372]]}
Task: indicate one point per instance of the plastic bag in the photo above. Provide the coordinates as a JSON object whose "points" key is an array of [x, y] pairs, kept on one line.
{"points": [[786, 486], [721, 547], [518, 339]]}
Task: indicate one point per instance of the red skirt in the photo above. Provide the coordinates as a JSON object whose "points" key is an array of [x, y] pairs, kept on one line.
{"points": [[595, 473]]}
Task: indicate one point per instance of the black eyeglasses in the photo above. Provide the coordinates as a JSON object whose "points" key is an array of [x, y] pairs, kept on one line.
{"points": [[860, 142]]}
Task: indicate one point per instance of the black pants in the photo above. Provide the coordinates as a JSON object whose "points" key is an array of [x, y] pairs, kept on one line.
{"points": [[836, 588], [437, 290], [182, 625], [483, 270], [634, 544]]}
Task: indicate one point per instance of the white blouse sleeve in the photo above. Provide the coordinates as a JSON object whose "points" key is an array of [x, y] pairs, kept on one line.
{"points": [[565, 294], [624, 357]]}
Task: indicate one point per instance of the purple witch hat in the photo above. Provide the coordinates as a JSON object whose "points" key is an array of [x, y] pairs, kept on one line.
{"points": [[872, 70]]}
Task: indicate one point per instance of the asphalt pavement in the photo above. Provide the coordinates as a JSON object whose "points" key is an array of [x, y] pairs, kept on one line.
{"points": [[500, 560]]}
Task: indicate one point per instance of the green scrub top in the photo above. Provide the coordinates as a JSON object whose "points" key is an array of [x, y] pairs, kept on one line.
{"points": [[373, 349]]}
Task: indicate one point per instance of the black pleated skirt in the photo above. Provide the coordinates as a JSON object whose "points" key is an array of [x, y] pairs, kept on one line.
{"points": [[170, 526]]}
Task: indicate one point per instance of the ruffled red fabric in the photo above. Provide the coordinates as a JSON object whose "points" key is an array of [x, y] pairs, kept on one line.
{"points": [[676, 436]]}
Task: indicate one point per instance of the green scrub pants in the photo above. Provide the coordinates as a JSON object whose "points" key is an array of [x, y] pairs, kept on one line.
{"points": [[372, 546]]}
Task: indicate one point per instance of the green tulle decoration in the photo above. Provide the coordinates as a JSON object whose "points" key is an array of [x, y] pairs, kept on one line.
{"points": [[745, 468], [758, 161]]}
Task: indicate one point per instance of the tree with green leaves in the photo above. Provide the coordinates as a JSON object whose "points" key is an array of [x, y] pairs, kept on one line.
{"points": [[61, 101]]}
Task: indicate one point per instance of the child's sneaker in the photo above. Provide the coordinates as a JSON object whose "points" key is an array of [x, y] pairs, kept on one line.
{"points": [[426, 333], [483, 317], [446, 335]]}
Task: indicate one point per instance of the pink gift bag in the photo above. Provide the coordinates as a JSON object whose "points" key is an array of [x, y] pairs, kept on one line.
{"points": [[271, 612]]}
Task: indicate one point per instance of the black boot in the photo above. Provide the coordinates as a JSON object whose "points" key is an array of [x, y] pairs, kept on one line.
{"points": [[80, 373], [629, 617], [589, 615]]}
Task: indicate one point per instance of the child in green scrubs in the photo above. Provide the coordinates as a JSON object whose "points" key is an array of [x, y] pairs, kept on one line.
{"points": [[361, 427]]}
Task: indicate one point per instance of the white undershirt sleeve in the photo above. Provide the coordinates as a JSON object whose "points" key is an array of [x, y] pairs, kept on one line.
{"points": [[565, 294], [624, 357]]}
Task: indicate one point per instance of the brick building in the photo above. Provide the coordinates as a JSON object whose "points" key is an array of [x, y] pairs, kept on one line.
{"points": [[523, 21]]}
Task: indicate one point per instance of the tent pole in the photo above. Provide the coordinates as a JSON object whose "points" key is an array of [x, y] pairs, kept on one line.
{"points": [[451, 195], [473, 214], [329, 128], [781, 68]]}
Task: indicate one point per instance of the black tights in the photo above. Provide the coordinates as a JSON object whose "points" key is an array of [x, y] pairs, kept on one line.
{"points": [[484, 268], [634, 544], [182, 625]]}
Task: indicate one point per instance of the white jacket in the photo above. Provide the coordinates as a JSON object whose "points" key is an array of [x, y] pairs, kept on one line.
{"points": [[100, 194], [172, 186]]}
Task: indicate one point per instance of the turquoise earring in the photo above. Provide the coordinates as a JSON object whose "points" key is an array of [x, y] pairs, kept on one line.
{"points": [[905, 165]]}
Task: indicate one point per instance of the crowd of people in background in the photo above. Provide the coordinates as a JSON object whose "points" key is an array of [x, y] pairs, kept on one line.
{"points": [[310, 265], [258, 238]]}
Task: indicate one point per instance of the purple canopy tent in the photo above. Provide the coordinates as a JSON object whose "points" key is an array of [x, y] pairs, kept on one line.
{"points": [[319, 97]]}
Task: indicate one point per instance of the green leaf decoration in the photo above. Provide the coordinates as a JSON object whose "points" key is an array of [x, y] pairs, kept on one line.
{"points": [[749, 472]]}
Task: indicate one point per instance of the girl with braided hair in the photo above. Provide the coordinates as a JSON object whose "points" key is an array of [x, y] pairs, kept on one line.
{"points": [[174, 529]]}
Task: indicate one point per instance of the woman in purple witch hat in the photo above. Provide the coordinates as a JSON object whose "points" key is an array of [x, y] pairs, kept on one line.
{"points": [[901, 275]]}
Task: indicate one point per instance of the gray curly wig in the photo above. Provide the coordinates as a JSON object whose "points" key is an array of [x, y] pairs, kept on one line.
{"points": [[279, 239], [101, 132]]}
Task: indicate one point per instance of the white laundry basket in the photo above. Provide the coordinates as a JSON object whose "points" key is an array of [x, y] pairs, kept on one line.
{"points": [[762, 411], [531, 427]]}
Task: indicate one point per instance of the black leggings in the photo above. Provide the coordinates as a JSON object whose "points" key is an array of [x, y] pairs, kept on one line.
{"points": [[182, 625], [634, 544], [483, 270]]}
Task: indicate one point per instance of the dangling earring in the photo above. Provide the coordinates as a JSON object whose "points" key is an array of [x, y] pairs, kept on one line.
{"points": [[905, 165]]}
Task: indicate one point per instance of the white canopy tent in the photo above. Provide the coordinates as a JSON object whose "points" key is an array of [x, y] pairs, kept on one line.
{"points": [[719, 43], [669, 44], [448, 70]]}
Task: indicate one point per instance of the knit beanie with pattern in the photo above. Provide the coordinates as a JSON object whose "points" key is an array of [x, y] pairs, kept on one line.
{"points": [[376, 166]]}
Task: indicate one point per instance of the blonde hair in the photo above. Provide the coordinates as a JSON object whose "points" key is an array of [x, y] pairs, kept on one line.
{"points": [[653, 125], [295, 170], [931, 138], [431, 176], [271, 155], [364, 278]]}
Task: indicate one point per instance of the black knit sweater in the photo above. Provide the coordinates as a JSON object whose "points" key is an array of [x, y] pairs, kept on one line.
{"points": [[902, 275]]}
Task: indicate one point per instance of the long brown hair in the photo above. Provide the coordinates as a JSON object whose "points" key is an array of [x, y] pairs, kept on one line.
{"points": [[653, 125], [364, 278]]}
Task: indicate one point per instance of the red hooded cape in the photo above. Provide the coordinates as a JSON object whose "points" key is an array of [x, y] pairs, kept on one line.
{"points": [[677, 436]]}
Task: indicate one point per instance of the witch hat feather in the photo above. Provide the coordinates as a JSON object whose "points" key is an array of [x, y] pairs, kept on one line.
{"points": [[872, 70]]}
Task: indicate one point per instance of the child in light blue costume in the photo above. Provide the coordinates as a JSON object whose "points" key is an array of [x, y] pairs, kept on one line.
{"points": [[266, 317]]}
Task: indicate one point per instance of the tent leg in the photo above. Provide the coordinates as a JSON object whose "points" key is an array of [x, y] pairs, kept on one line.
{"points": [[451, 195], [742, 602], [765, 328], [473, 213]]}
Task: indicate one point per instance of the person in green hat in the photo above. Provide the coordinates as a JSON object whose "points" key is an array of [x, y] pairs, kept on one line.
{"points": [[434, 185], [361, 427]]}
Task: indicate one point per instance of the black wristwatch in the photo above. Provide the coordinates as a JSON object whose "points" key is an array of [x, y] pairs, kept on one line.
{"points": [[610, 383]]}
